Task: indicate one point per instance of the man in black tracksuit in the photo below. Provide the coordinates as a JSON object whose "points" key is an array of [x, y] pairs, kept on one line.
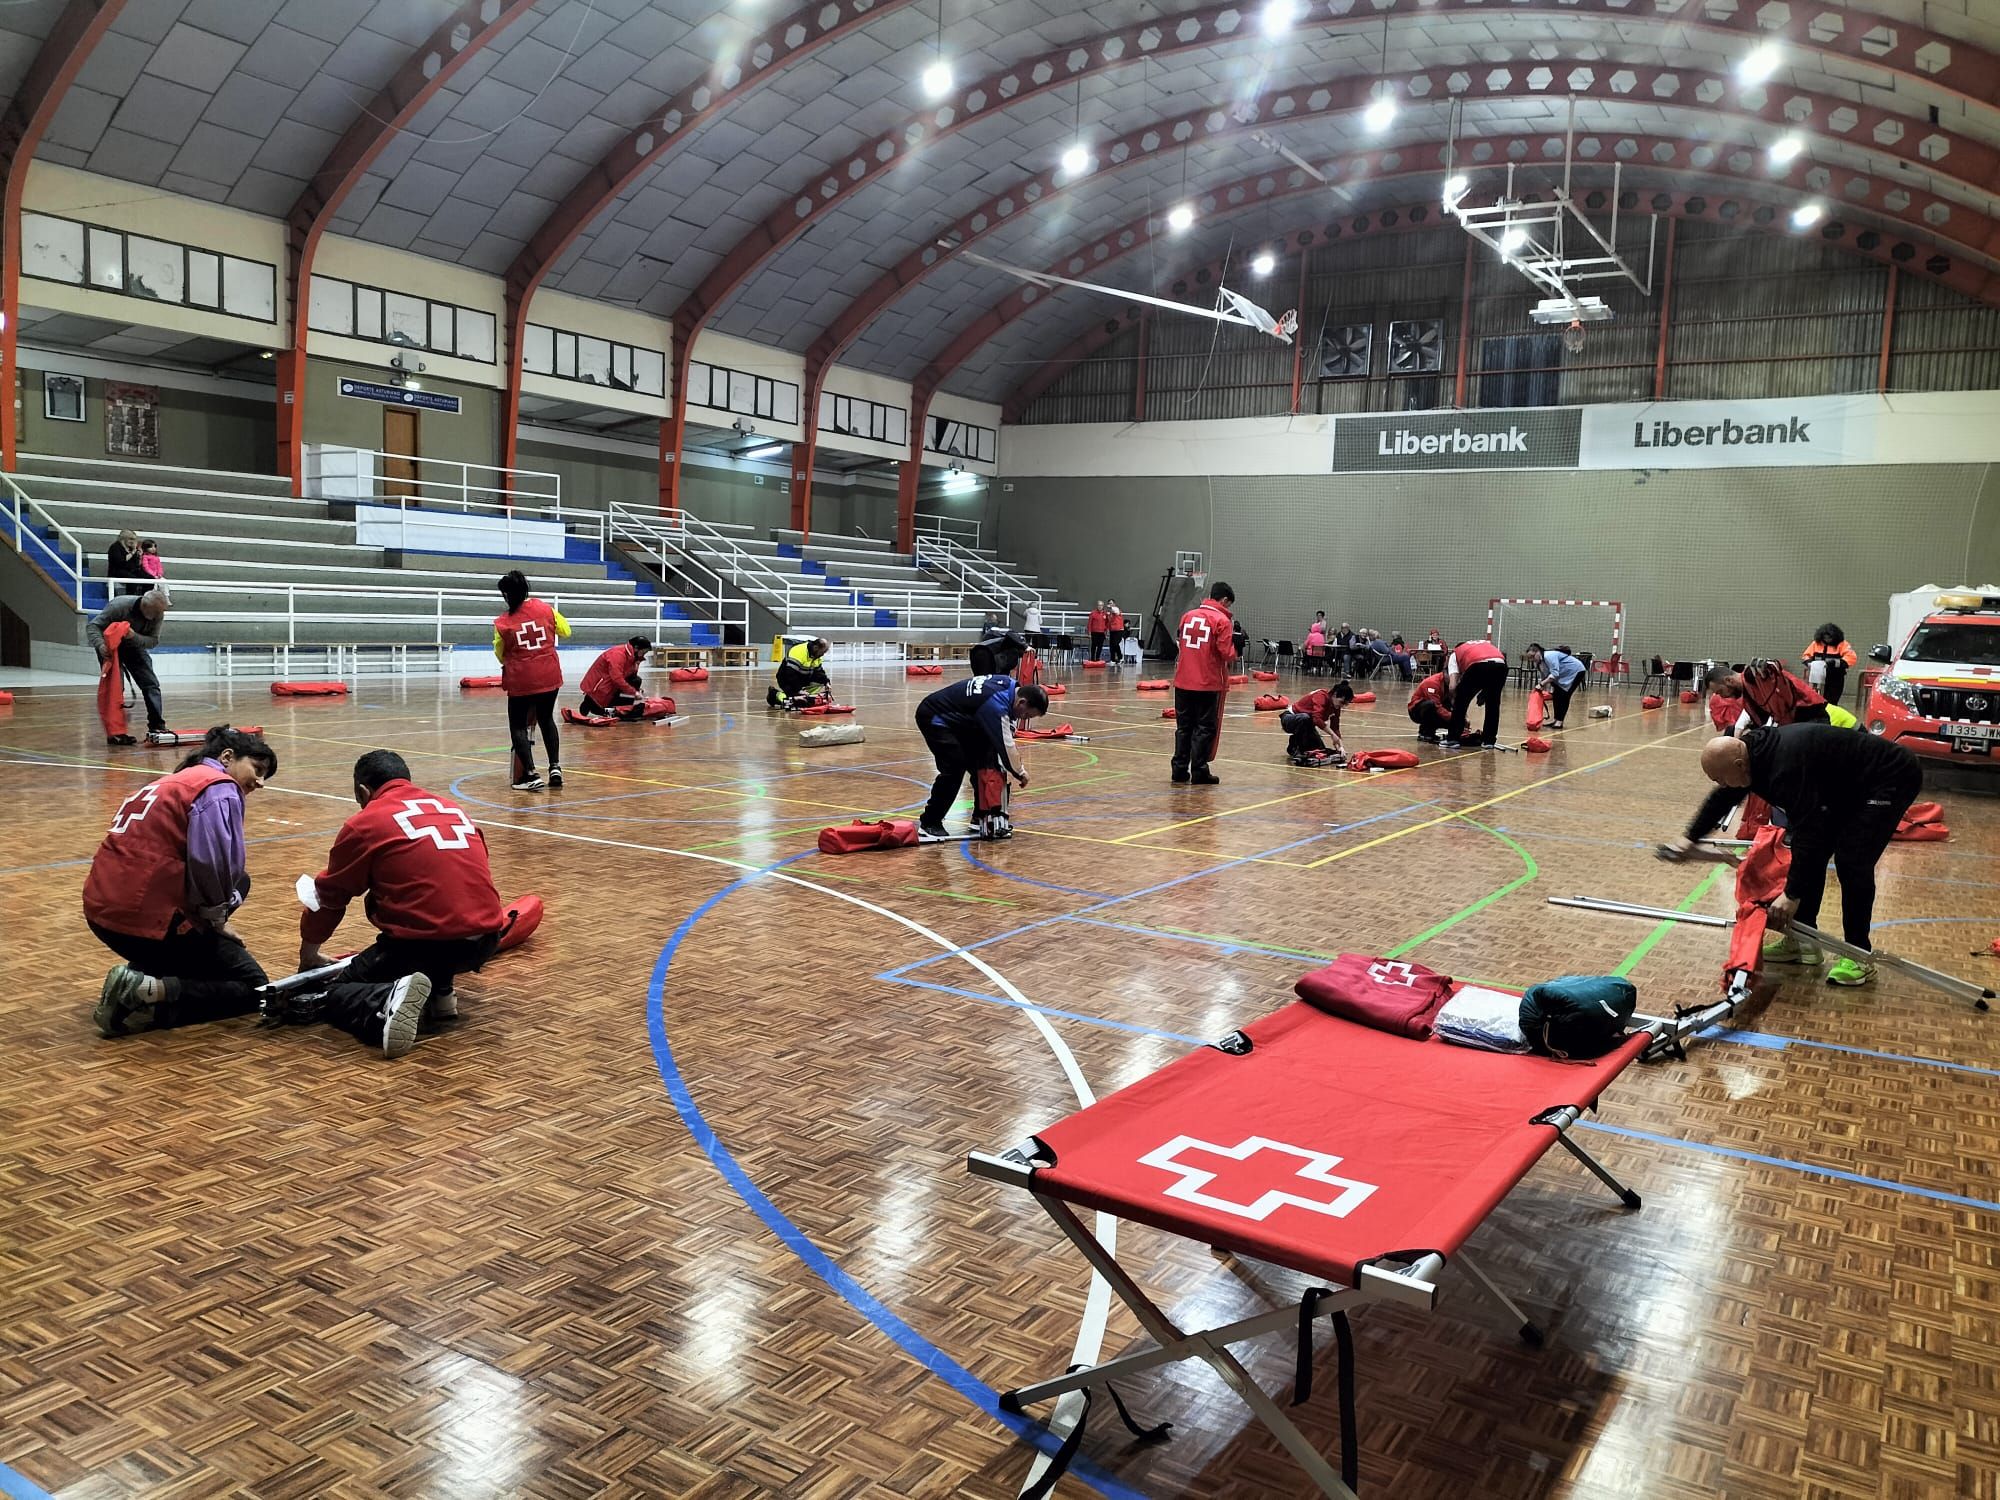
{"points": [[1843, 793], [969, 727]]}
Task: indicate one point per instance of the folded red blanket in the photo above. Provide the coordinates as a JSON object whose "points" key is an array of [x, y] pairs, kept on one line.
{"points": [[1060, 732], [1389, 994], [826, 708], [853, 838], [688, 674], [309, 689], [923, 669], [1382, 760], [478, 682], [1153, 684], [1267, 702]]}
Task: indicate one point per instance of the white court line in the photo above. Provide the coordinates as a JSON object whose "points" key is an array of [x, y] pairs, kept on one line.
{"points": [[1097, 1301]]}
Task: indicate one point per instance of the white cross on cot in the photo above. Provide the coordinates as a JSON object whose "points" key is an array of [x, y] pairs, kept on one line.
{"points": [[135, 807], [1195, 631], [1256, 1177], [531, 636], [428, 818]]}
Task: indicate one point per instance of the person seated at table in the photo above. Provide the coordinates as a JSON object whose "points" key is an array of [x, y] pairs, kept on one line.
{"points": [[1397, 653], [1341, 645], [1310, 714]]}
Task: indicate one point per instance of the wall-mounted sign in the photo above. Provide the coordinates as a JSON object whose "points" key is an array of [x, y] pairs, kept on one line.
{"points": [[395, 395], [1399, 442], [131, 420], [1730, 434]]}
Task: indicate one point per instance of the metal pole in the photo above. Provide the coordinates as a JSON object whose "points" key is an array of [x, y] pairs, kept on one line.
{"points": [[1666, 313], [1464, 327], [1888, 331], [1299, 334]]}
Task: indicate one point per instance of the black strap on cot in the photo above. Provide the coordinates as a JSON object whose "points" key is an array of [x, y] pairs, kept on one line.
{"points": [[1059, 1462], [1343, 1338]]}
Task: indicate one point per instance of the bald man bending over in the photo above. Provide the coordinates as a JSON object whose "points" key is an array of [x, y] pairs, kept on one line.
{"points": [[1843, 793]]}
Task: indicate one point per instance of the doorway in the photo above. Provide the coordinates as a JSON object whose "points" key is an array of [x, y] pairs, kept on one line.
{"points": [[399, 436]]}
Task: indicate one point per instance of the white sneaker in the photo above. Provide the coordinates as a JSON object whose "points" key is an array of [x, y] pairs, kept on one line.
{"points": [[405, 1009], [528, 784]]}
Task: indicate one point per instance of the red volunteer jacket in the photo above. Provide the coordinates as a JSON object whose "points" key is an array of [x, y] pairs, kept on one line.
{"points": [[615, 671], [1097, 622], [1115, 619], [138, 878], [1432, 691], [1207, 648], [422, 862], [1320, 704], [1779, 697], [1477, 651], [530, 664]]}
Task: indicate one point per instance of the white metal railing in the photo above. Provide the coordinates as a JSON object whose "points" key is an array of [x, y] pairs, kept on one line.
{"points": [[978, 574], [463, 486], [415, 520], [960, 528], [62, 558], [787, 595], [432, 610]]}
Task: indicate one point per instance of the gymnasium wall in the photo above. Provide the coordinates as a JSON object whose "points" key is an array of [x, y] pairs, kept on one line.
{"points": [[197, 429], [468, 436], [1729, 562]]}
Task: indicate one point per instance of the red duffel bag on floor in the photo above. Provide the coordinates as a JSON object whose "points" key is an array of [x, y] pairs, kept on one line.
{"points": [[1271, 702], [1538, 709], [478, 682], [1265, 676], [923, 669], [1389, 994], [1055, 689], [1364, 697], [1534, 744], [860, 835], [688, 674], [1153, 685], [1095, 666], [1382, 760], [1922, 824], [1652, 700], [1237, 679], [309, 689], [1689, 695], [524, 915]]}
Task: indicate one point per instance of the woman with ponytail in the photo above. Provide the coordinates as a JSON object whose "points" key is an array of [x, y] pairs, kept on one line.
{"points": [[525, 639], [166, 881]]}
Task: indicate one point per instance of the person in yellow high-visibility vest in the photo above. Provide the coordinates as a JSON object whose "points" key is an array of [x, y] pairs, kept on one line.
{"points": [[801, 666]]}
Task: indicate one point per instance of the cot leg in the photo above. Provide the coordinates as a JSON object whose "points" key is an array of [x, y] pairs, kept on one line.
{"points": [[1625, 1195], [1530, 1333]]}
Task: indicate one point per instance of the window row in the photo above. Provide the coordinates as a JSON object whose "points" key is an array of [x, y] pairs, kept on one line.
{"points": [[962, 440], [747, 395], [136, 265], [594, 361], [854, 417], [366, 312]]}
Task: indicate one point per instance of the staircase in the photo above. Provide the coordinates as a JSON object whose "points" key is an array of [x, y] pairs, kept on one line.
{"points": [[995, 584], [250, 565]]}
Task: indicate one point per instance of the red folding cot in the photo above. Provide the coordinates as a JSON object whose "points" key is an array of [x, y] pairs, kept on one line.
{"points": [[1358, 1157]]}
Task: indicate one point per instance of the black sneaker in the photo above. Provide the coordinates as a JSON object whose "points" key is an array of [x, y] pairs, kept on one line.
{"points": [[1205, 778], [121, 739], [400, 1017], [122, 1005], [555, 777], [932, 831], [1180, 778]]}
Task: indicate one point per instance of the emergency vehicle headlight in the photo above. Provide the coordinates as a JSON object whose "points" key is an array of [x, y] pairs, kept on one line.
{"points": [[1876, 727], [1896, 690]]}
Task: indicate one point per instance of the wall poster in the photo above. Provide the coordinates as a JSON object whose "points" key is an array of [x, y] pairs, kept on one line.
{"points": [[131, 420]]}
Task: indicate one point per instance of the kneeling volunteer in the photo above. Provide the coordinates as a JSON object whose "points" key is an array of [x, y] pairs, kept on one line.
{"points": [[802, 666], [612, 683], [1307, 716], [163, 886], [1430, 707], [969, 727], [422, 863]]}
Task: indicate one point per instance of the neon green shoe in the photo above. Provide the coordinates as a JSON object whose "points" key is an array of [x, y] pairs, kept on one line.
{"points": [[1850, 972], [1789, 948]]}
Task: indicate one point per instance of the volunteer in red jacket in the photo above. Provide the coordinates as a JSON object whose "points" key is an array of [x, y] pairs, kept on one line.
{"points": [[613, 680], [1096, 625], [422, 863], [1201, 678], [1769, 695], [1477, 669], [163, 885], [1430, 707], [1114, 630], [1308, 716], [525, 641]]}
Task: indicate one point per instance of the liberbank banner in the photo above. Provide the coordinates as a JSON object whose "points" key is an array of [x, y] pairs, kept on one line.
{"points": [[1652, 435]]}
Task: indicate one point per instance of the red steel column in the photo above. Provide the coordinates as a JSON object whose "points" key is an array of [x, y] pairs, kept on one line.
{"points": [[1299, 334], [1888, 331], [1666, 313], [910, 473], [1464, 328], [673, 428], [1139, 388]]}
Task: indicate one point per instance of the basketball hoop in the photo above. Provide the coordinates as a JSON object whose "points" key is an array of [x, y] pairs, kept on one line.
{"points": [[1573, 336]]}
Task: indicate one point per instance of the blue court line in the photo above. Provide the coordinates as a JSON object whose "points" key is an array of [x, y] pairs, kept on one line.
{"points": [[1165, 885], [920, 1349], [1047, 885], [1571, 838], [1934, 1194], [19, 1487], [1270, 950], [1136, 1028]]}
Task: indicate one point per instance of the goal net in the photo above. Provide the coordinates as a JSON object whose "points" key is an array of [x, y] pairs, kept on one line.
{"points": [[1593, 625]]}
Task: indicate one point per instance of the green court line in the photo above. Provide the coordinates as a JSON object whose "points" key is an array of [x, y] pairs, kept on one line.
{"points": [[1633, 959], [1483, 902], [956, 895]]}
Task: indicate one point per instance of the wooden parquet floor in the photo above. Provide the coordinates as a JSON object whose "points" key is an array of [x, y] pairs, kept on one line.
{"points": [[679, 1207]]}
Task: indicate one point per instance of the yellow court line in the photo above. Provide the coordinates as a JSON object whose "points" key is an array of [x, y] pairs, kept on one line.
{"points": [[1390, 838], [1293, 797]]}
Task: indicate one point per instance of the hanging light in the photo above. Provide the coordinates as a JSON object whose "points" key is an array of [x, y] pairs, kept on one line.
{"points": [[1380, 112], [1786, 149], [1265, 263], [1455, 187], [1808, 214], [1760, 64], [1278, 16], [1180, 218], [936, 78], [1076, 161], [1514, 238]]}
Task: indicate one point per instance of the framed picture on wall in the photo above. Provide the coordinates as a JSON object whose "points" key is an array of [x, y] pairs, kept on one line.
{"points": [[62, 397], [131, 420]]}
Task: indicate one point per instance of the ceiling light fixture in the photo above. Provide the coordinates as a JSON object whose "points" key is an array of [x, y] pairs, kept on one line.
{"points": [[766, 450], [1265, 263], [1514, 238], [1760, 64], [1380, 112], [1455, 187], [1786, 149], [1278, 16], [1808, 214], [1180, 218], [1076, 160], [937, 77]]}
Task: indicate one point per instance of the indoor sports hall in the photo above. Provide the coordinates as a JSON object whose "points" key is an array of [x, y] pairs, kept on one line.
{"points": [[923, 748]]}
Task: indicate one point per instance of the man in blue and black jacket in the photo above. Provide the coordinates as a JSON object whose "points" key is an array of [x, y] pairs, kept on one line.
{"points": [[969, 726]]}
